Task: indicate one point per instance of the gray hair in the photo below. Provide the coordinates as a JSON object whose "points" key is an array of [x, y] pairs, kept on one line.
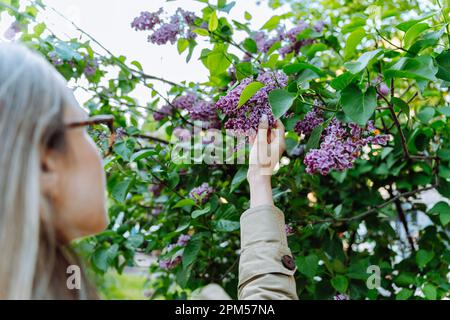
{"points": [[32, 98]]}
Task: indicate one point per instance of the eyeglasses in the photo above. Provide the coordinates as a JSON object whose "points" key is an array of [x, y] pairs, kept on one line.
{"points": [[101, 128]]}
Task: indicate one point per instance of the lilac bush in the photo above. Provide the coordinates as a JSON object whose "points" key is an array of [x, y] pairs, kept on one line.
{"points": [[247, 117]]}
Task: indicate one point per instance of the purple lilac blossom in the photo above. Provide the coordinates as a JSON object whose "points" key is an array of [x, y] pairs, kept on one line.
{"points": [[247, 117], [162, 113], [147, 20], [263, 43], [178, 25], [312, 119], [167, 32], [120, 133], [383, 89], [182, 134], [318, 26], [12, 31], [289, 230], [341, 145], [202, 193], [170, 263], [55, 59], [91, 67], [183, 240], [198, 109], [156, 189]]}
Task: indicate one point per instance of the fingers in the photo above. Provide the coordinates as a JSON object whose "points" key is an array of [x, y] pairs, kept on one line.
{"points": [[278, 133], [264, 122]]}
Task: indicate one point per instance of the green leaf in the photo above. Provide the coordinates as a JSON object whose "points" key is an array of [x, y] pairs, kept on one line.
{"points": [[443, 62], [420, 68], [430, 39], [213, 22], [430, 291], [249, 91], [120, 190], [250, 45], [142, 154], [445, 111], [444, 154], [125, 148], [201, 212], [226, 225], [404, 294], [308, 265], [362, 62], [357, 105], [426, 114], [443, 210], [352, 42], [39, 29], [342, 81], [413, 33], [184, 202], [445, 218], [182, 45], [201, 32], [102, 257], [272, 23], [239, 177], [404, 26], [271, 62], [280, 100], [340, 283], [300, 66], [192, 249], [314, 139], [134, 241], [248, 16], [397, 102], [444, 172], [217, 60], [423, 257]]}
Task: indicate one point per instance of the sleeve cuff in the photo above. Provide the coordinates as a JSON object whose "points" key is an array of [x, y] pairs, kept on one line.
{"points": [[263, 243]]}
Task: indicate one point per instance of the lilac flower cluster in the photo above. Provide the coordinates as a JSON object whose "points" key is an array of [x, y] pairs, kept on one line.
{"points": [[382, 87], [263, 41], [147, 20], [289, 230], [167, 31], [55, 59], [341, 145], [12, 31], [182, 134], [291, 44], [156, 189], [247, 117], [197, 108], [173, 262], [91, 67], [202, 193], [163, 113], [170, 263], [312, 119]]}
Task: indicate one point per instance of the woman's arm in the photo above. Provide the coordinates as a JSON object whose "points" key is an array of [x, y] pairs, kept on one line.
{"points": [[266, 266]]}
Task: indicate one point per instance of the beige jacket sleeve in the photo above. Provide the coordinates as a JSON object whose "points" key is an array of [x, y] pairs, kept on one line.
{"points": [[266, 266]]}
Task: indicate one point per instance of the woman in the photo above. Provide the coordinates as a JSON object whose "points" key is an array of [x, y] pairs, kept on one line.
{"points": [[52, 188]]}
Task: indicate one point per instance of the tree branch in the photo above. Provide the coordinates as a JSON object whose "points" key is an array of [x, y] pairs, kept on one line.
{"points": [[376, 208]]}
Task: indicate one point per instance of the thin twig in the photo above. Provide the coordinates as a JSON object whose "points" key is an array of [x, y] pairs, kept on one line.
{"points": [[376, 208]]}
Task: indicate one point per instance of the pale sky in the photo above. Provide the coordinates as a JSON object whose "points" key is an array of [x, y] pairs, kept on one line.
{"points": [[109, 22]]}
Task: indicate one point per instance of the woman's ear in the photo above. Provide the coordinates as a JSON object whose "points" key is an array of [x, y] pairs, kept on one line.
{"points": [[49, 176]]}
